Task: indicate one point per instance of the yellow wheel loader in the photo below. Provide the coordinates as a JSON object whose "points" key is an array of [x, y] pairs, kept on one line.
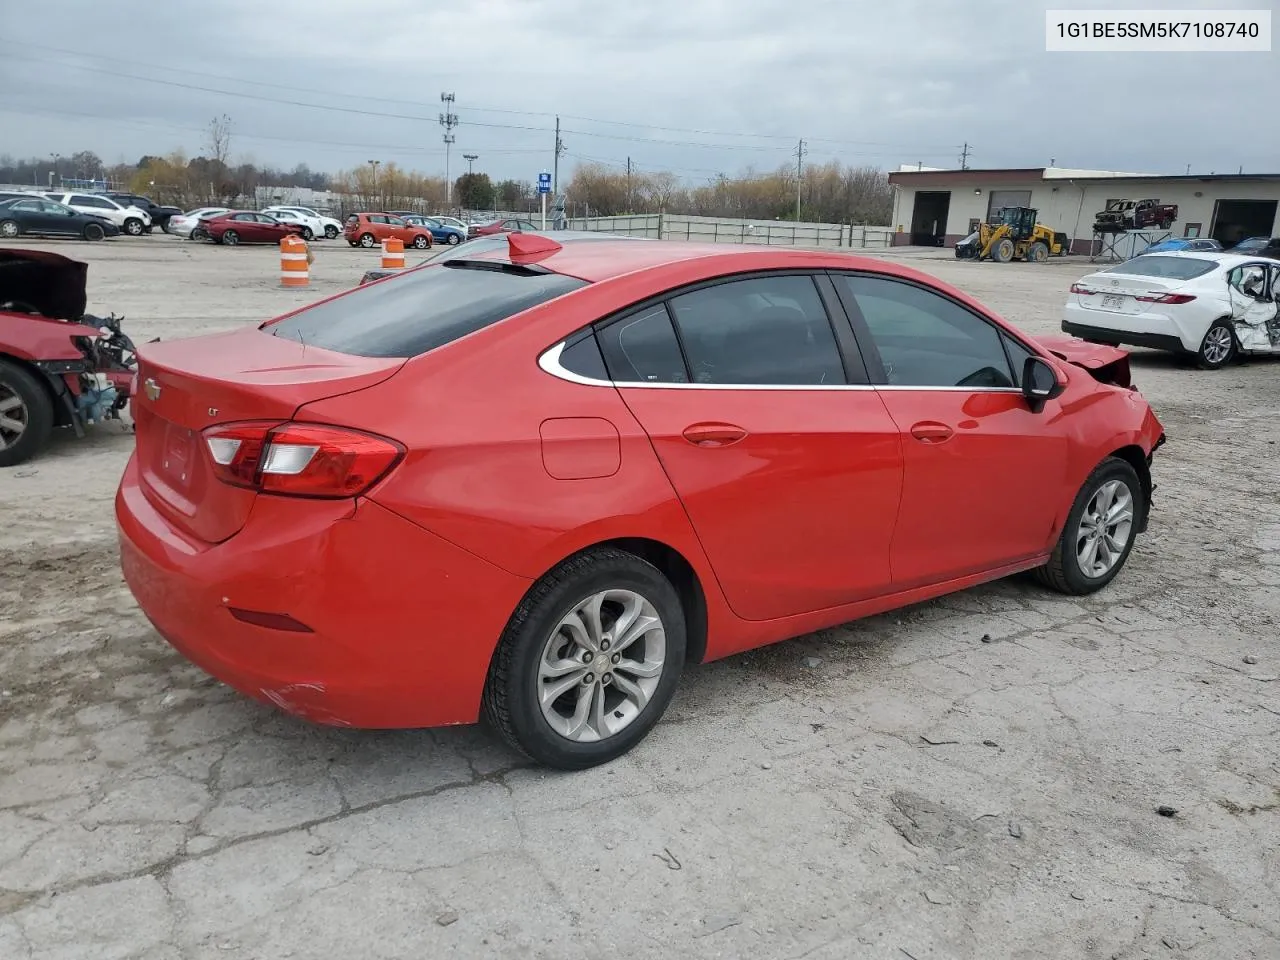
{"points": [[1013, 234]]}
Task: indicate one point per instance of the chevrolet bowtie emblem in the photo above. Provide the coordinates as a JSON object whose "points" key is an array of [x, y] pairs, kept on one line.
{"points": [[152, 389]]}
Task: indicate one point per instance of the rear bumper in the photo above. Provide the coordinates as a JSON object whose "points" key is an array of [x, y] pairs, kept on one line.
{"points": [[1156, 341], [404, 623], [1158, 331]]}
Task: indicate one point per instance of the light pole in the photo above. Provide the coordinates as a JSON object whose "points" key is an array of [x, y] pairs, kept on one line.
{"points": [[374, 164], [470, 158]]}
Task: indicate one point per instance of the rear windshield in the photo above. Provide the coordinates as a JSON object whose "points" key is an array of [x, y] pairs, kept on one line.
{"points": [[1169, 268], [411, 314]]}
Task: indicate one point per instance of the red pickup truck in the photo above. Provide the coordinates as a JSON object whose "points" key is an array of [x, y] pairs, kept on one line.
{"points": [[1135, 215]]}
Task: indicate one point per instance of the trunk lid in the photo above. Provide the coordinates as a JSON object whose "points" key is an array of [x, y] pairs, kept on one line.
{"points": [[1118, 293], [185, 386]]}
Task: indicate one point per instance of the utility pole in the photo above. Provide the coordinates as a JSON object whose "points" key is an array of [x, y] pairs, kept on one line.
{"points": [[560, 149], [800, 150], [964, 157], [448, 120], [628, 184]]}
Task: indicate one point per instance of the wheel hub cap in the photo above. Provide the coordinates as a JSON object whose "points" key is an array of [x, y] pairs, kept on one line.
{"points": [[1104, 529], [601, 665], [13, 417]]}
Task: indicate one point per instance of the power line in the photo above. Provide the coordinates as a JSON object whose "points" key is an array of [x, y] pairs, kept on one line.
{"points": [[399, 116]]}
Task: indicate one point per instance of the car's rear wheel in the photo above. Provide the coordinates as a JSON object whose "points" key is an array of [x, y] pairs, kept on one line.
{"points": [[1218, 347], [330, 232], [9, 229], [367, 240], [454, 239], [421, 242], [307, 234], [1099, 532], [588, 662], [230, 237], [133, 227], [93, 231], [26, 415]]}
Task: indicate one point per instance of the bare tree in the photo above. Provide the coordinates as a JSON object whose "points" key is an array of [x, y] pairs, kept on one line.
{"points": [[220, 139]]}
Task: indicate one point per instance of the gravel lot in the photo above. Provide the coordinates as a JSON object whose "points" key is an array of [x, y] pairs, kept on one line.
{"points": [[974, 777]]}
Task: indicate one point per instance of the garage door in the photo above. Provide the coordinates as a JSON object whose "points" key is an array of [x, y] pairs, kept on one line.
{"points": [[1007, 198]]}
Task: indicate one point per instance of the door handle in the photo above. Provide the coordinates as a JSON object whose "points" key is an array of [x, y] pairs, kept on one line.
{"points": [[929, 431], [713, 434]]}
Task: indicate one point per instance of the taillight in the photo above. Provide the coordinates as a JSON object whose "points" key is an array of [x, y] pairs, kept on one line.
{"points": [[1167, 298], [299, 459], [1081, 289]]}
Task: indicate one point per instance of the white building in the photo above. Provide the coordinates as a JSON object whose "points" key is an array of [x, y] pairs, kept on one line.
{"points": [[935, 207]]}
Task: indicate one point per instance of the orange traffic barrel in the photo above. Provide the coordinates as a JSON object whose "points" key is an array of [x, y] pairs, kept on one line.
{"points": [[294, 262], [393, 254]]}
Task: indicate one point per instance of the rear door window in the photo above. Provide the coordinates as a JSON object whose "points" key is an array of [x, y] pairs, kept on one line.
{"points": [[642, 348], [421, 310], [760, 331]]}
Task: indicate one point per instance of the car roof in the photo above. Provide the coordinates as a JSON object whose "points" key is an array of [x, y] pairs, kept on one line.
{"points": [[616, 256]]}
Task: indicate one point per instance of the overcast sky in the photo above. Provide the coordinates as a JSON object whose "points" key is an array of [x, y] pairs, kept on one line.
{"points": [[695, 86]]}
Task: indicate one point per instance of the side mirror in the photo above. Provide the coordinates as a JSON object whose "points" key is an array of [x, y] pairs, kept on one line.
{"points": [[1039, 383]]}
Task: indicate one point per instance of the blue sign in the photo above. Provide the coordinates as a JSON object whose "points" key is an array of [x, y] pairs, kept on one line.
{"points": [[544, 183]]}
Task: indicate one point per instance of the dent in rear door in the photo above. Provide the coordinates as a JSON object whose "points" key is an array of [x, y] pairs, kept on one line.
{"points": [[793, 488]]}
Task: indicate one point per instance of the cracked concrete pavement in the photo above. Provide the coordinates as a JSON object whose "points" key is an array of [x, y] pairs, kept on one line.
{"points": [[973, 777]]}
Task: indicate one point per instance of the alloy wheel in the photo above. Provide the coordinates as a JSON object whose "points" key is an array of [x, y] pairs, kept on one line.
{"points": [[601, 665], [14, 417], [1217, 345], [8, 229], [1105, 528]]}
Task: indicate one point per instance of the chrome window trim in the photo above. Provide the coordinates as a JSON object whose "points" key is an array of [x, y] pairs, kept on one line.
{"points": [[550, 363]]}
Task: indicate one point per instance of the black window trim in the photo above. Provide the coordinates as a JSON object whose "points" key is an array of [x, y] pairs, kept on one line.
{"points": [[856, 368], [871, 354]]}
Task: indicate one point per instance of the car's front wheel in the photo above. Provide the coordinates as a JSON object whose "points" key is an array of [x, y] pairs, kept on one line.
{"points": [[421, 242], [454, 239], [133, 227], [1218, 347], [588, 662], [1099, 532], [26, 415], [93, 231], [330, 232]]}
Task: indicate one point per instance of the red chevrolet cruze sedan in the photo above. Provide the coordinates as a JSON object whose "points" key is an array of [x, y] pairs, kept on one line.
{"points": [[532, 483]]}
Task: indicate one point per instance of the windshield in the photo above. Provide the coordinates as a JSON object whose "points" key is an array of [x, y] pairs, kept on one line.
{"points": [[1166, 268]]}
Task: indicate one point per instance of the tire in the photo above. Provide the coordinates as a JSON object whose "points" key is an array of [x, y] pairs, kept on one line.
{"points": [[1003, 251], [421, 242], [9, 229], [1038, 252], [368, 241], [1064, 571], [1218, 348], [93, 231], [330, 232], [511, 702], [230, 238], [133, 227], [307, 234], [198, 234], [23, 400], [454, 239]]}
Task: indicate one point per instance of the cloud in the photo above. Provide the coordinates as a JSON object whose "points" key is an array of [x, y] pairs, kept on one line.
{"points": [[698, 86]]}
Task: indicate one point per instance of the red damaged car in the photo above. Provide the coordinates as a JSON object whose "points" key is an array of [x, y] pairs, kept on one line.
{"points": [[59, 367], [532, 483]]}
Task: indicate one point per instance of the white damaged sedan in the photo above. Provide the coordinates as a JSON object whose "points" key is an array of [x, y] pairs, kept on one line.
{"points": [[1212, 306]]}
